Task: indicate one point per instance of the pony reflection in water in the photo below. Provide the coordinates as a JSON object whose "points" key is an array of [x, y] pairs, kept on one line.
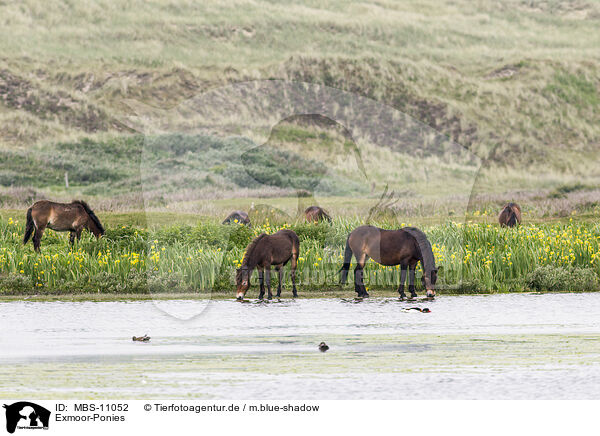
{"points": [[405, 247]]}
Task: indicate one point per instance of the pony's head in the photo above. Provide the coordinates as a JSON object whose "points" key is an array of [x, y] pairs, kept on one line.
{"points": [[428, 279], [93, 224], [242, 280]]}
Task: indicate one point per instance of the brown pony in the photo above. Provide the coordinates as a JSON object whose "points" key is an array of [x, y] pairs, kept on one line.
{"points": [[510, 215], [262, 253], [404, 247], [61, 217], [240, 216], [314, 214]]}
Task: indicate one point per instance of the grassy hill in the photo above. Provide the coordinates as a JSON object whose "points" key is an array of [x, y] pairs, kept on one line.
{"points": [[516, 82]]}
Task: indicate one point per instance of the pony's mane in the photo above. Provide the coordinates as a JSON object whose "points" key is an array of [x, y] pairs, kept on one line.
{"points": [[251, 248], [326, 215], [321, 213], [424, 247], [247, 256], [91, 214]]}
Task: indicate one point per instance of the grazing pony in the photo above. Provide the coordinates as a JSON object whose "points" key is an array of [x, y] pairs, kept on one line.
{"points": [[315, 214], [510, 215], [61, 217], [404, 247], [262, 253], [240, 216]]}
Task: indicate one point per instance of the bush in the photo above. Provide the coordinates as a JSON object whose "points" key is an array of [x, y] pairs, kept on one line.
{"points": [[317, 232], [15, 284], [172, 235], [221, 235], [239, 236], [172, 283], [126, 237], [552, 278], [104, 282]]}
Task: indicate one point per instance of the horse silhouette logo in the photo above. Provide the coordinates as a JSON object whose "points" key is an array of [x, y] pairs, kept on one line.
{"points": [[26, 415]]}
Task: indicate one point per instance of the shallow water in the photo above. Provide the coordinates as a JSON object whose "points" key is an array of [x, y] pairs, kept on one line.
{"points": [[497, 346]]}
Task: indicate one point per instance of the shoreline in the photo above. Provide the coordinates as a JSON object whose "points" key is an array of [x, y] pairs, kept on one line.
{"points": [[250, 297]]}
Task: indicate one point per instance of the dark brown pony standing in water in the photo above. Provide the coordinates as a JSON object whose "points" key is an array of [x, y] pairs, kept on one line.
{"points": [[510, 215], [262, 253], [61, 217], [239, 215], [405, 247], [315, 214]]}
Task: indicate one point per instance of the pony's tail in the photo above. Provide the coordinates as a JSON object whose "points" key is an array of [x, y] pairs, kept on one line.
{"points": [[28, 227], [347, 259], [512, 220]]}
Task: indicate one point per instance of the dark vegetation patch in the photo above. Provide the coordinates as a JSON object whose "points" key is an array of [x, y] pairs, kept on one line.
{"points": [[19, 93], [565, 279], [87, 162], [165, 164], [386, 83], [562, 190]]}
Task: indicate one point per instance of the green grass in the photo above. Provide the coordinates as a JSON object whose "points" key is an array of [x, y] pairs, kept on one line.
{"points": [[209, 175], [201, 259], [513, 81]]}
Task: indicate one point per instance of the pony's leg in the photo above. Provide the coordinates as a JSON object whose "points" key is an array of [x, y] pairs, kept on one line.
{"points": [[411, 281], [293, 273], [72, 238], [268, 280], [357, 280], [261, 281], [37, 237], [280, 274], [359, 285], [403, 270], [365, 259]]}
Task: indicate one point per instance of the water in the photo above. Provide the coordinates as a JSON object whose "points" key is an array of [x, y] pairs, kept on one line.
{"points": [[499, 346]]}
